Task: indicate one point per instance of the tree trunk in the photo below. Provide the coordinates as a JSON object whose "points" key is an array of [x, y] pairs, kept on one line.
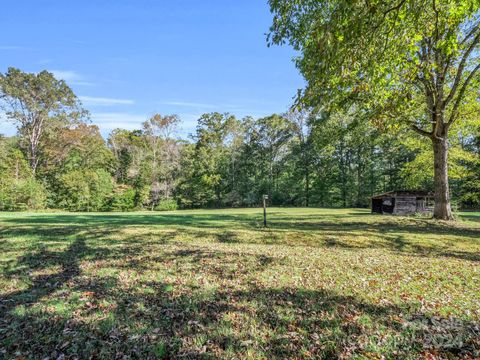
{"points": [[442, 209], [33, 160], [306, 165], [343, 174], [307, 187], [359, 177]]}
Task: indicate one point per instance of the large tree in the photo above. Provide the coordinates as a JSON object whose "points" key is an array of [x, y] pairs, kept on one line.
{"points": [[37, 104], [159, 134], [213, 134], [411, 61], [302, 150], [274, 134]]}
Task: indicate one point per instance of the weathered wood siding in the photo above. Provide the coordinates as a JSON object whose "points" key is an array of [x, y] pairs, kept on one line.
{"points": [[405, 205], [402, 202]]}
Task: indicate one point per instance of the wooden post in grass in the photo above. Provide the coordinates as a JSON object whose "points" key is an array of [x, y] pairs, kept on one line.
{"points": [[265, 198]]}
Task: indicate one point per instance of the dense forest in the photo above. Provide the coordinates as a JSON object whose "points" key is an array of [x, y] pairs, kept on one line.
{"points": [[59, 159]]}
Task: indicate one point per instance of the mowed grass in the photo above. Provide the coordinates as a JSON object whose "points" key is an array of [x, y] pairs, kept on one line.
{"points": [[318, 283]]}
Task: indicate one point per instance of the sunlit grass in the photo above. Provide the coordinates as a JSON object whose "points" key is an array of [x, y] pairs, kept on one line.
{"points": [[215, 283]]}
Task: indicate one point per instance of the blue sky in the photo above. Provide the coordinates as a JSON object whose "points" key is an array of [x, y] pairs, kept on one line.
{"points": [[129, 59]]}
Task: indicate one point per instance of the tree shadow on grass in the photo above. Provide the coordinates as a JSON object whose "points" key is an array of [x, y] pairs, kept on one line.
{"points": [[320, 324], [44, 285], [273, 323], [304, 222], [188, 321], [411, 226], [388, 234], [474, 218], [402, 245], [131, 219]]}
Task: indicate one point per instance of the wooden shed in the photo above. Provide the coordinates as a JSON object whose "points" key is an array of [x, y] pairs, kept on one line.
{"points": [[402, 202]]}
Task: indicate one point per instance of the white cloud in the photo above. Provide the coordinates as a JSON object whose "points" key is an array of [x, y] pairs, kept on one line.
{"points": [[189, 104], [109, 121], [72, 77], [66, 75], [101, 101]]}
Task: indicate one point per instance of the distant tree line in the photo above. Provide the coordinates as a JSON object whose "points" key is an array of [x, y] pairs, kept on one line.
{"points": [[58, 159]]}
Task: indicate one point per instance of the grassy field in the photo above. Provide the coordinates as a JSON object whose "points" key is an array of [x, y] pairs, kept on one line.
{"points": [[318, 283]]}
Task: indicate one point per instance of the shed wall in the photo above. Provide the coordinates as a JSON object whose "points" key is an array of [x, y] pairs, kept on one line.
{"points": [[405, 205]]}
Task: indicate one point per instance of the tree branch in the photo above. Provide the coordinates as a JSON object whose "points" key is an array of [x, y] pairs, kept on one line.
{"points": [[454, 113], [396, 7], [421, 131], [470, 34], [461, 67]]}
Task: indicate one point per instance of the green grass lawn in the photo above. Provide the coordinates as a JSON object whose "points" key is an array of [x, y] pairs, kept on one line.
{"points": [[215, 284]]}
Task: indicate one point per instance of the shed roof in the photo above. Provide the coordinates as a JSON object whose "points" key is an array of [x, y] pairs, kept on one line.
{"points": [[394, 193]]}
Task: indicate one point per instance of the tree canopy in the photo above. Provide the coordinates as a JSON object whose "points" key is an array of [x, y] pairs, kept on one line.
{"points": [[397, 62], [300, 158], [37, 104]]}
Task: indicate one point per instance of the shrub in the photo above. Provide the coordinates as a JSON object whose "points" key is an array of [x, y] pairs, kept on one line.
{"points": [[470, 198], [166, 205], [142, 196], [123, 198], [18, 188], [22, 194], [85, 190]]}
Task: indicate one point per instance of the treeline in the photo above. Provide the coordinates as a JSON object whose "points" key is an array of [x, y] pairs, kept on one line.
{"points": [[59, 160], [296, 160]]}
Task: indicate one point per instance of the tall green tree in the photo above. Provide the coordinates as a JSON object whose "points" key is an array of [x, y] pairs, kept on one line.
{"points": [[129, 149], [274, 133], [406, 61], [213, 135], [303, 148], [164, 151], [37, 104], [19, 190]]}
